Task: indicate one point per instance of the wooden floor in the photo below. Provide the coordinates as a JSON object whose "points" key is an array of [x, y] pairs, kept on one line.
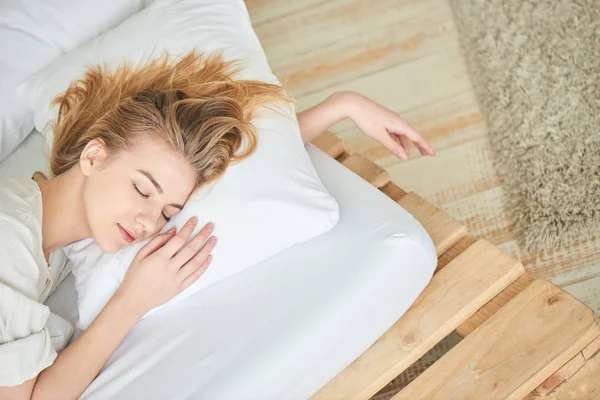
{"points": [[404, 54]]}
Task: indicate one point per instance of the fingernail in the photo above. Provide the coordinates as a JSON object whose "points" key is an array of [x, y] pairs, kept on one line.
{"points": [[170, 231], [194, 220], [211, 226], [214, 240]]}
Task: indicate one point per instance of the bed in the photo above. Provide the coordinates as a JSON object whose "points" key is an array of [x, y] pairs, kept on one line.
{"points": [[334, 331], [282, 328], [342, 316]]}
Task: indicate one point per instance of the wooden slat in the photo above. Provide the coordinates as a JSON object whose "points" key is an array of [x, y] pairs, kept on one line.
{"points": [[342, 157], [513, 352], [592, 349], [456, 292], [584, 385], [558, 378], [454, 251], [568, 370], [443, 229], [330, 144], [494, 305], [367, 170], [393, 191]]}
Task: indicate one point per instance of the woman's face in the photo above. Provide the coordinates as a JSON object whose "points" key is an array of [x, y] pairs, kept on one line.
{"points": [[128, 196]]}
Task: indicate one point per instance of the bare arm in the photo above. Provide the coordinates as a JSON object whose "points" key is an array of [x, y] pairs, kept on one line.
{"points": [[163, 268], [317, 119], [371, 118], [77, 365]]}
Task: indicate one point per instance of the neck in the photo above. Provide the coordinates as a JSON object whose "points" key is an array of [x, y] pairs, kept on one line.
{"points": [[63, 216]]}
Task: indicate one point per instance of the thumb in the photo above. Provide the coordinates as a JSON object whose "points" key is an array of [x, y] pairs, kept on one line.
{"points": [[156, 243], [396, 148]]}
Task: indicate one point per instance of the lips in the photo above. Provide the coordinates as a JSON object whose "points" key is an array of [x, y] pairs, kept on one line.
{"points": [[127, 236]]}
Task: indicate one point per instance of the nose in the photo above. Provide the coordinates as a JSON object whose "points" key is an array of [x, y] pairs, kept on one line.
{"points": [[147, 224]]}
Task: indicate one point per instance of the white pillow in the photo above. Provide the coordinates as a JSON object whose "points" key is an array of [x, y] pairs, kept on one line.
{"points": [[36, 32], [261, 206]]}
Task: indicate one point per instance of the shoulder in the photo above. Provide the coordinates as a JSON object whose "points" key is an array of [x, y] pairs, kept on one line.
{"points": [[20, 202]]}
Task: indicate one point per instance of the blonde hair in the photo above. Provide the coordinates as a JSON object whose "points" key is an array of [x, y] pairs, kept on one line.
{"points": [[192, 104]]}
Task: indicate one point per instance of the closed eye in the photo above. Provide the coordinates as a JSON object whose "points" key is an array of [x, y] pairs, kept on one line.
{"points": [[138, 190], [145, 196]]}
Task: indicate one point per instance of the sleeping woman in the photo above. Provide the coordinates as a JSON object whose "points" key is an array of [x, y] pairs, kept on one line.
{"points": [[130, 146]]}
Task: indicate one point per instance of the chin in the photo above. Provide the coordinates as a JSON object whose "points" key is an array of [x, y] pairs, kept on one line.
{"points": [[110, 248], [107, 243]]}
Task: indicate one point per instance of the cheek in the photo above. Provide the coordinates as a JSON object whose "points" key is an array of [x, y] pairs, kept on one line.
{"points": [[107, 196], [108, 201]]}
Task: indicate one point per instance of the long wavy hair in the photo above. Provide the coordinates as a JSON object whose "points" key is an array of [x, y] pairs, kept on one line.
{"points": [[191, 103]]}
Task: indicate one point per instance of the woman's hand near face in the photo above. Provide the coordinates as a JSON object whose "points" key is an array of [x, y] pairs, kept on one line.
{"points": [[166, 266], [160, 270]]}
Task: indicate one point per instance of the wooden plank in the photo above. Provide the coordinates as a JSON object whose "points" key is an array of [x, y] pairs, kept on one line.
{"points": [[367, 170], [342, 157], [513, 352], [330, 144], [494, 305], [457, 291], [316, 26], [583, 385], [566, 371], [558, 378], [393, 191], [444, 230], [592, 349], [454, 251], [358, 54]]}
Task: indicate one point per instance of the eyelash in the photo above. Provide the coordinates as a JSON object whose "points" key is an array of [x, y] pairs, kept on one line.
{"points": [[145, 196]]}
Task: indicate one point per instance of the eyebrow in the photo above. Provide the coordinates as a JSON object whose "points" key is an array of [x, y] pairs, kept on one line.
{"points": [[157, 186]]}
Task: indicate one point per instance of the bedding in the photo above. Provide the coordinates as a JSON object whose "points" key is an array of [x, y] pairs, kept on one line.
{"points": [[261, 206], [36, 32], [285, 324], [30, 156], [282, 328]]}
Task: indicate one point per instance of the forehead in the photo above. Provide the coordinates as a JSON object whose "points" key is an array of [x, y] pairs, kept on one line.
{"points": [[169, 168]]}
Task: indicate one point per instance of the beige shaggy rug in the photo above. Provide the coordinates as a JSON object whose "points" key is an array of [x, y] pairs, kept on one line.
{"points": [[535, 68]]}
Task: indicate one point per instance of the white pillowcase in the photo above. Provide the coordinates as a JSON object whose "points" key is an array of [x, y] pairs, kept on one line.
{"points": [[261, 206], [36, 32]]}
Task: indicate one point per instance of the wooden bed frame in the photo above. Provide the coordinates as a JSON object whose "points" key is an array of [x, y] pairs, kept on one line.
{"points": [[522, 337]]}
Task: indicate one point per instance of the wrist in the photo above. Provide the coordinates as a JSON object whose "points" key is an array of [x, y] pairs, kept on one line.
{"points": [[127, 308], [345, 103]]}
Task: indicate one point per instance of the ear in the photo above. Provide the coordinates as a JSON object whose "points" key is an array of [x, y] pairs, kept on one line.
{"points": [[93, 156]]}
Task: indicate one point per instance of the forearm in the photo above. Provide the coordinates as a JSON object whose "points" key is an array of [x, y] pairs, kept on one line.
{"points": [[317, 119], [77, 365]]}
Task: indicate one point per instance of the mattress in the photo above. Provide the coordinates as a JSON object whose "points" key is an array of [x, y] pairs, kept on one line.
{"points": [[282, 328]]}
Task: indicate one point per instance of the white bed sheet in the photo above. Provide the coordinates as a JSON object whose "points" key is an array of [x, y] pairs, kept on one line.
{"points": [[282, 328]]}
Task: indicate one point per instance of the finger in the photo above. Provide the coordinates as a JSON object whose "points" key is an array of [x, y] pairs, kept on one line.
{"points": [[177, 241], [192, 247], [393, 146], [403, 141], [193, 277], [419, 141], [156, 243], [191, 264]]}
